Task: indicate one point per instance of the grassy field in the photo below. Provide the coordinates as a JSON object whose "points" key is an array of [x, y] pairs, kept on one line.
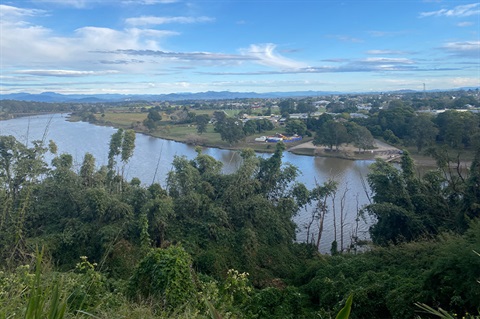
{"points": [[122, 119], [187, 133]]}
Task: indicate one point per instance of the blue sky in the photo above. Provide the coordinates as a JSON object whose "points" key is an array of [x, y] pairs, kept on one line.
{"points": [[168, 46]]}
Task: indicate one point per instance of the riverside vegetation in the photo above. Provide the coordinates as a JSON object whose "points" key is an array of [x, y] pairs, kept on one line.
{"points": [[89, 243]]}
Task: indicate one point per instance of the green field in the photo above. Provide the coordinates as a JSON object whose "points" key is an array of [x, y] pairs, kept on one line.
{"points": [[187, 133]]}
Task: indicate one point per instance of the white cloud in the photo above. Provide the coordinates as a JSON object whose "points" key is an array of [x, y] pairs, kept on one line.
{"points": [[184, 56], [69, 3], [105, 38], [65, 73], [465, 24], [345, 38], [388, 60], [459, 11], [459, 82], [8, 13], [464, 49], [28, 46], [386, 52], [152, 20], [79, 4], [266, 55], [149, 2]]}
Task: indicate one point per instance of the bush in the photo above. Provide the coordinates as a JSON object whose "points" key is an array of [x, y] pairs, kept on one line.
{"points": [[164, 276]]}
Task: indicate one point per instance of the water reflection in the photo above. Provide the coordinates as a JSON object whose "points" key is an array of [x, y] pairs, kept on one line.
{"points": [[152, 160]]}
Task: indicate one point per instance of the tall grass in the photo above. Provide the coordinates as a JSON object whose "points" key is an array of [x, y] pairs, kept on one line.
{"points": [[45, 301]]}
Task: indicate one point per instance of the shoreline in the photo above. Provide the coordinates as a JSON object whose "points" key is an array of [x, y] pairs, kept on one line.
{"points": [[303, 148], [383, 150]]}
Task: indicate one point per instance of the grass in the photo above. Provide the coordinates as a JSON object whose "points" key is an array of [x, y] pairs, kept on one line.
{"points": [[122, 119], [187, 133]]}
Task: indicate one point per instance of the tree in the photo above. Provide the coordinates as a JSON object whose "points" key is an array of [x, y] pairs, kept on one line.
{"points": [[114, 148], [472, 190], [250, 127], [287, 106], [87, 169], [121, 143], [128, 145], [392, 207], [457, 128], [257, 126], [231, 130], [361, 137], [20, 170], [331, 133], [296, 127], [422, 131], [396, 118], [202, 122], [154, 115], [304, 106], [317, 124], [319, 196], [219, 116], [153, 119]]}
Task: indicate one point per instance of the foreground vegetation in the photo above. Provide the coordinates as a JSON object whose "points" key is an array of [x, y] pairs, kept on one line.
{"points": [[213, 245]]}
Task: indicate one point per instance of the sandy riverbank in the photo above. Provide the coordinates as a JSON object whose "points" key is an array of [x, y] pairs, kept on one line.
{"points": [[382, 150]]}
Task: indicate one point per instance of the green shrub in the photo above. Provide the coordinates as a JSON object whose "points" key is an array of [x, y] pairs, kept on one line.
{"points": [[165, 277]]}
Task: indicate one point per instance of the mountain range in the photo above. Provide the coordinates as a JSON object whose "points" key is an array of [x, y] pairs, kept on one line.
{"points": [[209, 95]]}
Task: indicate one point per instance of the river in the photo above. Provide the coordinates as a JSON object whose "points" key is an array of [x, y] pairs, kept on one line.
{"points": [[78, 138]]}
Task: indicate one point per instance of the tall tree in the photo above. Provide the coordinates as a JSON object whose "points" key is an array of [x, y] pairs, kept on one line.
{"points": [[422, 131], [295, 126], [287, 106], [231, 130], [331, 133], [361, 137], [202, 122], [87, 169]]}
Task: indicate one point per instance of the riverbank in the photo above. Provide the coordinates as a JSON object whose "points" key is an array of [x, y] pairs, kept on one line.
{"points": [[188, 134], [347, 151]]}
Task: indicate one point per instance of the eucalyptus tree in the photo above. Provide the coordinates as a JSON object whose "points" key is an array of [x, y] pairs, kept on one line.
{"points": [[122, 143], [318, 197], [87, 169]]}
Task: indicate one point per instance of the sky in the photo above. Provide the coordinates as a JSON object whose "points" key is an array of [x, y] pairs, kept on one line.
{"points": [[173, 46]]}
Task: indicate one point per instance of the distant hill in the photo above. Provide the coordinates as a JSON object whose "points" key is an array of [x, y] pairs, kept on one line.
{"points": [[209, 95]]}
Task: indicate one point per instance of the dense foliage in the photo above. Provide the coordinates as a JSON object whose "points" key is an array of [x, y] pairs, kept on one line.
{"points": [[222, 245]]}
